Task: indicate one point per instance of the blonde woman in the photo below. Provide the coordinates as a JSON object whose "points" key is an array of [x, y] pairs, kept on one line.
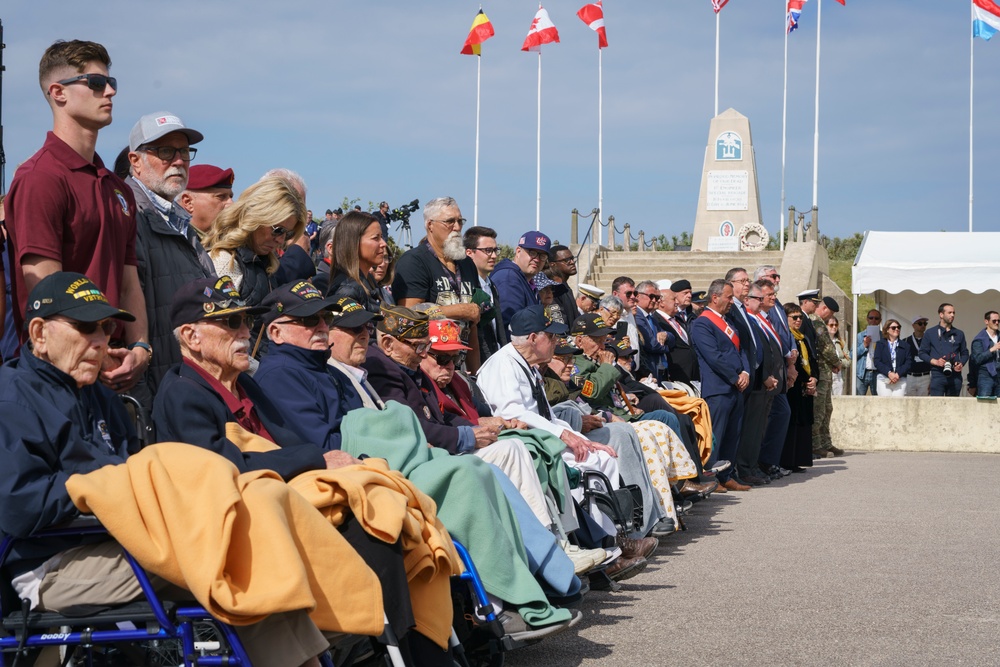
{"points": [[244, 240]]}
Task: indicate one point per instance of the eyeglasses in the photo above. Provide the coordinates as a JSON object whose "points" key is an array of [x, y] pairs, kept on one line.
{"points": [[419, 348], [445, 359], [234, 321], [874, 319], [310, 321], [89, 328], [773, 276], [537, 254], [565, 260], [96, 82], [795, 317], [358, 330], [452, 222], [741, 280], [921, 323], [894, 327], [751, 296], [169, 153], [489, 251], [277, 231]]}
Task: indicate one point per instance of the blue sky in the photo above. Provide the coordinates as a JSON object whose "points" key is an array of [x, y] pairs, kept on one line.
{"points": [[373, 100]]}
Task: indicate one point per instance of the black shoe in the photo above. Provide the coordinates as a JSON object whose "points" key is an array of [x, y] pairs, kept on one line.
{"points": [[753, 480], [797, 469]]}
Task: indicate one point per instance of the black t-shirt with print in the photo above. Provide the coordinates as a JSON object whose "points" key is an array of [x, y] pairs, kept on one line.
{"points": [[421, 275]]}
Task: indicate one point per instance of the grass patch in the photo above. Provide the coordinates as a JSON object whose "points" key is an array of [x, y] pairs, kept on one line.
{"points": [[840, 273]]}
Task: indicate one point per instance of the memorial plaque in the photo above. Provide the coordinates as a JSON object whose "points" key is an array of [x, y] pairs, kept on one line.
{"points": [[728, 190], [723, 244]]}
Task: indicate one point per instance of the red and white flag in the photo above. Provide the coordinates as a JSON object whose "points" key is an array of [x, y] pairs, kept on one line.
{"points": [[593, 16], [717, 5], [542, 31]]}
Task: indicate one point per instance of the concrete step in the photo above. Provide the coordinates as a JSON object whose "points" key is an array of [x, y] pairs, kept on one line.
{"points": [[700, 268]]}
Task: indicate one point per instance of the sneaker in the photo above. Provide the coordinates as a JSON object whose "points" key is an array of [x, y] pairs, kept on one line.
{"points": [[584, 560], [663, 527], [720, 466]]}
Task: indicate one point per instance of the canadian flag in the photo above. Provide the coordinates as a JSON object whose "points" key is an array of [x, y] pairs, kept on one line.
{"points": [[542, 31], [717, 5], [593, 16]]}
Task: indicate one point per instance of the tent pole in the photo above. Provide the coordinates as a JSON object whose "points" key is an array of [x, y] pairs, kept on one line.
{"points": [[854, 353]]}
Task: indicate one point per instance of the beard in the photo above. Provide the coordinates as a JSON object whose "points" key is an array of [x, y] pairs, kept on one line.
{"points": [[454, 249]]}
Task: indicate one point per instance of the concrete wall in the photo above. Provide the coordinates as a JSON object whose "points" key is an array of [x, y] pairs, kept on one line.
{"points": [[915, 424], [801, 267]]}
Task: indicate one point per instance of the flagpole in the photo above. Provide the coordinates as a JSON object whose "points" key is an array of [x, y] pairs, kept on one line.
{"points": [[600, 143], [819, 21], [784, 126], [716, 64], [479, 75], [538, 152], [972, 62]]}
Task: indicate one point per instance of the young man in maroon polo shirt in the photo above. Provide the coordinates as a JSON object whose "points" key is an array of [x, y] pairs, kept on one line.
{"points": [[67, 212]]}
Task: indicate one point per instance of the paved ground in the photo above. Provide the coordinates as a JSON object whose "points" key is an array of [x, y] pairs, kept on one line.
{"points": [[870, 559]]}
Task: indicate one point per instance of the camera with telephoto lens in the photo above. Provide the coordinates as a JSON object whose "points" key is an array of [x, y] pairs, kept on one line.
{"points": [[404, 212], [946, 369]]}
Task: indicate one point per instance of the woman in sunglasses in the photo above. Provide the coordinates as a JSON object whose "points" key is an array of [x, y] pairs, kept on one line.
{"points": [[797, 452], [245, 238], [357, 253], [892, 362]]}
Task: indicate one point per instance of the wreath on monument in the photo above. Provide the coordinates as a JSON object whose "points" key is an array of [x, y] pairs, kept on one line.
{"points": [[753, 237]]}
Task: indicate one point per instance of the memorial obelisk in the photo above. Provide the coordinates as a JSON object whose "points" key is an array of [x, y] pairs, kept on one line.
{"points": [[728, 217]]}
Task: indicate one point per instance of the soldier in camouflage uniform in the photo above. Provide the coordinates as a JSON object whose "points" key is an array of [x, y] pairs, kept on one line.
{"points": [[829, 363]]}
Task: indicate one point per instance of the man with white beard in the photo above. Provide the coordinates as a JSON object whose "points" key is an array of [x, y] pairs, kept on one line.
{"points": [[438, 271], [168, 251]]}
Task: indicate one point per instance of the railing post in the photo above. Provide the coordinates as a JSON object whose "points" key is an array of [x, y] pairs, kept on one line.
{"points": [[611, 232], [574, 227], [642, 240], [814, 228], [627, 240], [793, 233]]}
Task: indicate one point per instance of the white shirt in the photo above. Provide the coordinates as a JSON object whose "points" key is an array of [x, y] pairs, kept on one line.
{"points": [[359, 378], [505, 386]]}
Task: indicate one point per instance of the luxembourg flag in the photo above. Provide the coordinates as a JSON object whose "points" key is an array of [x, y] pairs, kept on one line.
{"points": [[792, 17], [542, 31], [986, 18]]}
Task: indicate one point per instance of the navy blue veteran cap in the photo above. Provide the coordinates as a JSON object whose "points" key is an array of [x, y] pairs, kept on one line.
{"points": [[349, 313], [208, 298], [71, 295], [533, 320], [621, 347], [535, 241], [590, 324], [299, 298], [700, 296], [563, 347]]}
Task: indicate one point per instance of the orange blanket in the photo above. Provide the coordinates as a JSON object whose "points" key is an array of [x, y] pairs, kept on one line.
{"points": [[697, 409]]}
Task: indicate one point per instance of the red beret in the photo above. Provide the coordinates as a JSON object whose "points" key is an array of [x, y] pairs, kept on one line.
{"points": [[202, 176]]}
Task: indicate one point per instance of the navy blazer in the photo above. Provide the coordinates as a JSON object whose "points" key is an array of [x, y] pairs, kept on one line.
{"points": [[748, 341], [394, 384], [654, 354], [187, 409], [719, 360], [883, 358]]}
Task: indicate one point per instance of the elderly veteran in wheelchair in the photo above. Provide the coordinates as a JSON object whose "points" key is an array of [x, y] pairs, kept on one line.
{"points": [[210, 401], [56, 422], [476, 501]]}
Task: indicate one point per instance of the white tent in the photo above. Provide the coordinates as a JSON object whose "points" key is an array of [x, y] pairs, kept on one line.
{"points": [[911, 273]]}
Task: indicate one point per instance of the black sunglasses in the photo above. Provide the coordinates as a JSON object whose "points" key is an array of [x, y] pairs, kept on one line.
{"points": [[96, 82], [234, 321], [357, 331], [89, 328], [310, 321], [445, 359], [277, 231], [795, 317]]}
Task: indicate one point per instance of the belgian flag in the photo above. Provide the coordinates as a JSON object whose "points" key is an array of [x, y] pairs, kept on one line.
{"points": [[481, 31]]}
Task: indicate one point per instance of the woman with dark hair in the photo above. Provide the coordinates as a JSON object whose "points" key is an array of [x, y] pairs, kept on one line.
{"points": [[358, 249], [798, 451], [384, 274], [892, 361]]}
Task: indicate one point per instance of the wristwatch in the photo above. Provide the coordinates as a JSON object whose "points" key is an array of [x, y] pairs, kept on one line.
{"points": [[145, 346]]}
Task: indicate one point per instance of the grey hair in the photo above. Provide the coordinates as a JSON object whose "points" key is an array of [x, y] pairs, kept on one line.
{"points": [[434, 207], [644, 284], [735, 271], [519, 340], [326, 236], [762, 270], [717, 287], [611, 302], [296, 181]]}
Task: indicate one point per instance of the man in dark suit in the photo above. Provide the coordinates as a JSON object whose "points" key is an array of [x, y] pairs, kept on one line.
{"points": [[481, 246], [740, 320], [780, 414], [653, 342], [725, 374], [808, 301], [682, 363]]}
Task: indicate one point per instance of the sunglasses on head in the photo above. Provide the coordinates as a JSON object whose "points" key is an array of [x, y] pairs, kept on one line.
{"points": [[89, 328], [310, 321], [442, 359], [234, 321], [96, 82]]}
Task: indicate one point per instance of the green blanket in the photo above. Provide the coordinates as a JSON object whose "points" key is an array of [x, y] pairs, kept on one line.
{"points": [[470, 503], [546, 451]]}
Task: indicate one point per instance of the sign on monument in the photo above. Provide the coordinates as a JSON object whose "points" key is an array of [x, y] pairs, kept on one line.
{"points": [[728, 190]]}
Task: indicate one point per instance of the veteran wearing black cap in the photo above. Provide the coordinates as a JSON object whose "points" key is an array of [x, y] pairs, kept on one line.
{"points": [[682, 291], [822, 308]]}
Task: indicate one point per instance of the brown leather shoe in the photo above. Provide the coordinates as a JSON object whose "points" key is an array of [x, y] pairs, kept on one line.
{"points": [[693, 488], [733, 485], [721, 488], [637, 548], [625, 568]]}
